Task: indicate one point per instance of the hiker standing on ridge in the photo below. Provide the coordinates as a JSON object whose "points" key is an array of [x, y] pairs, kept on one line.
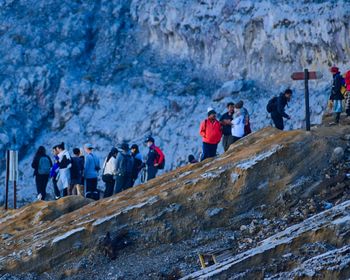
{"points": [[91, 169], [225, 120], [277, 105], [336, 95], [76, 173], [124, 164], [155, 159], [42, 165], [238, 122], [109, 172], [138, 164], [54, 173], [244, 112], [211, 132], [347, 93], [64, 163]]}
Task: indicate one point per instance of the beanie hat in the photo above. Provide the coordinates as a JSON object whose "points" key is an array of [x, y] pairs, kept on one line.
{"points": [[334, 69], [211, 112]]}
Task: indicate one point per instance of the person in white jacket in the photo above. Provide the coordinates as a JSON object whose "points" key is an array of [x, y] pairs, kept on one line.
{"points": [[238, 123], [109, 172], [64, 163]]}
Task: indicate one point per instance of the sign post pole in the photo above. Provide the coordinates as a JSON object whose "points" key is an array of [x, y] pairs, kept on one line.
{"points": [[307, 102], [306, 76]]}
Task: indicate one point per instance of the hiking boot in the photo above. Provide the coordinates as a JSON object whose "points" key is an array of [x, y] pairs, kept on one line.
{"points": [[57, 197], [40, 196]]}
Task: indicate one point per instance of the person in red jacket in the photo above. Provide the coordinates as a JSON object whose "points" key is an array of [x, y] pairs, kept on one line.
{"points": [[211, 132], [347, 93]]}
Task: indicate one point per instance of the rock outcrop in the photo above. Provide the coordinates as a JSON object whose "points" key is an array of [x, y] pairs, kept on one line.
{"points": [[256, 183]]}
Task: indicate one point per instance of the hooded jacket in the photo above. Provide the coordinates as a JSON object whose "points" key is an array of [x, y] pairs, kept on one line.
{"points": [[210, 131]]}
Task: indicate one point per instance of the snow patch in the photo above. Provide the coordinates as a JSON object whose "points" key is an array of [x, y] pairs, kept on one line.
{"points": [[254, 160], [67, 234]]}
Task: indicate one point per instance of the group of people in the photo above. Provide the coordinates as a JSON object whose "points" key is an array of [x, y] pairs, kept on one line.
{"points": [[340, 91], [232, 126], [78, 174]]}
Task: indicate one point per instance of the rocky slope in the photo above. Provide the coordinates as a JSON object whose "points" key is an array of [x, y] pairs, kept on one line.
{"points": [[259, 203], [107, 71]]}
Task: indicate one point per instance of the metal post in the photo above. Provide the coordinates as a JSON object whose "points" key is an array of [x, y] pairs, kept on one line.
{"points": [[14, 194], [7, 178], [307, 103]]}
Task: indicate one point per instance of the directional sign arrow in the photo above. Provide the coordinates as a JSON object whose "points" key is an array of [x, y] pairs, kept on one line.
{"points": [[312, 75]]}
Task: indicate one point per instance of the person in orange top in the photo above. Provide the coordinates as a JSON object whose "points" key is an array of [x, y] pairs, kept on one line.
{"points": [[211, 132]]}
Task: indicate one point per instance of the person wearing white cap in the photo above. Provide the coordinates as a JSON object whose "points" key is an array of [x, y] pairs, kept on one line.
{"points": [[211, 132], [91, 168]]}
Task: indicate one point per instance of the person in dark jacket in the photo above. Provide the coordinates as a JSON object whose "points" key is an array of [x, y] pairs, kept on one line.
{"points": [[76, 173], [336, 95], [154, 158], [124, 169], [138, 163], [278, 112], [42, 165], [225, 120], [54, 173]]}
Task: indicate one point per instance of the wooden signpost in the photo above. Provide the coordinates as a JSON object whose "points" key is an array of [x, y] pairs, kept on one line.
{"points": [[306, 76]]}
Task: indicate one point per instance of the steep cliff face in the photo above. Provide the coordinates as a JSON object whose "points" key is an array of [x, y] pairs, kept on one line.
{"points": [[107, 71]]}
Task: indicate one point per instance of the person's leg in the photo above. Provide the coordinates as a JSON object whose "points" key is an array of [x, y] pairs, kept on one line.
{"points": [[212, 150], [45, 181], [37, 184], [278, 121], [109, 189], [118, 184], [337, 117], [225, 142], [55, 188], [151, 172], [65, 192], [205, 151], [89, 185]]}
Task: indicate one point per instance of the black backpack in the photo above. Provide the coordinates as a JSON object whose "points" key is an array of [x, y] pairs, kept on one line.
{"points": [[126, 165], [272, 104]]}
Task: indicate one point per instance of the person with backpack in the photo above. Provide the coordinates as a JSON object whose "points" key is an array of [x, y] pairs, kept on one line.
{"points": [[238, 122], [91, 169], [347, 93], [54, 173], [76, 173], [276, 107], [41, 165], [336, 96], [109, 172], [211, 132], [225, 120], [64, 164], [155, 158], [138, 163], [124, 165]]}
